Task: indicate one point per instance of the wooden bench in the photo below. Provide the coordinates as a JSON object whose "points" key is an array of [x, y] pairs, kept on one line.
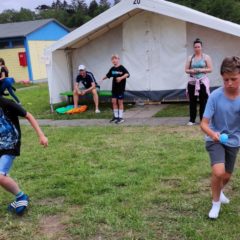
{"points": [[69, 95]]}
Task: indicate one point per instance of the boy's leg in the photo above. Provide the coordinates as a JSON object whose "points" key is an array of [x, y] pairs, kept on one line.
{"points": [[95, 99], [217, 156], [192, 103], [230, 159], [218, 173], [115, 109], [120, 98], [121, 107], [19, 206], [6, 162], [9, 184]]}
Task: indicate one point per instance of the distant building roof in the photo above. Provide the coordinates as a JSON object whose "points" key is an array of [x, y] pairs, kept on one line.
{"points": [[22, 29]]}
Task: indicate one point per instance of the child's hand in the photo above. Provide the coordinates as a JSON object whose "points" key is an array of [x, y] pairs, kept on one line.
{"points": [[216, 137], [119, 79], [43, 141], [100, 82]]}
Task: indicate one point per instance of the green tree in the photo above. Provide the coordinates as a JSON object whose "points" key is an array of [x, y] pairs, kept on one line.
{"points": [[104, 5], [79, 5], [93, 9]]}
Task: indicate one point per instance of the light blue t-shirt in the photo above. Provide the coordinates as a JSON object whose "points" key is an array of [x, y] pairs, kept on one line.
{"points": [[200, 63], [224, 115]]}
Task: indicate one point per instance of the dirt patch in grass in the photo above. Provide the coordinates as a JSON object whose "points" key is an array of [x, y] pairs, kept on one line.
{"points": [[53, 227]]}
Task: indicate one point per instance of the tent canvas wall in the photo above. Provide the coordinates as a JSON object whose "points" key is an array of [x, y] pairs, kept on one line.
{"points": [[153, 39]]}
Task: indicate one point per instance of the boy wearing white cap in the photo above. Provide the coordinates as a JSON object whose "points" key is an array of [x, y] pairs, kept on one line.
{"points": [[90, 85]]}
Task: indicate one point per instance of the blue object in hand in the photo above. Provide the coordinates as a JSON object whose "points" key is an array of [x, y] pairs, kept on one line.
{"points": [[223, 138]]}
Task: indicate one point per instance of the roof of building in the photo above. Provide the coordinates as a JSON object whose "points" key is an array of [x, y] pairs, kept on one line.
{"points": [[22, 29], [126, 9]]}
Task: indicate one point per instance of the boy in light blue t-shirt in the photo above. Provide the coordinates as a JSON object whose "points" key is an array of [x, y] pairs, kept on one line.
{"points": [[222, 115]]}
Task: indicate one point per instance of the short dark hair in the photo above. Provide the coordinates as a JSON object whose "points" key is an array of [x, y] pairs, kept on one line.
{"points": [[2, 61], [197, 40], [230, 64]]}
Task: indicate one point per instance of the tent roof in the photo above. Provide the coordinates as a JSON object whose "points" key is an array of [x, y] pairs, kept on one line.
{"points": [[126, 9], [22, 29]]}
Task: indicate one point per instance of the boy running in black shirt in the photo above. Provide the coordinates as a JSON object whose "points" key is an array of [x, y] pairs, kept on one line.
{"points": [[119, 74], [10, 143]]}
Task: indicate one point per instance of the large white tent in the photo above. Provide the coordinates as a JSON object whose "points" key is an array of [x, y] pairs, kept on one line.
{"points": [[153, 39]]}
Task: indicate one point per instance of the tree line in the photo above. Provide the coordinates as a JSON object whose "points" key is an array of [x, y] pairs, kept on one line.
{"points": [[78, 12]]}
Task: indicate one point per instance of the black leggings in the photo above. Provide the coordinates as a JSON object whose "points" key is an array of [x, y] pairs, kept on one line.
{"points": [[203, 97]]}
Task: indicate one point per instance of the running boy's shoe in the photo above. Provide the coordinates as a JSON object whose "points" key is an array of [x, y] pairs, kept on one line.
{"points": [[113, 120], [120, 120], [20, 205]]}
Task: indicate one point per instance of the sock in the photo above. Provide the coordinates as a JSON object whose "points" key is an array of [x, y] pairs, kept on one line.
{"points": [[115, 112], [214, 212], [120, 113], [20, 194], [223, 198]]}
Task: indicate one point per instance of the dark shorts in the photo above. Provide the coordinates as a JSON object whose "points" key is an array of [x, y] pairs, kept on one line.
{"points": [[119, 96], [220, 153]]}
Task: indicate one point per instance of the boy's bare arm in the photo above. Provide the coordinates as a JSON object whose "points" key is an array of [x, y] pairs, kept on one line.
{"points": [[206, 129], [42, 138], [119, 79]]}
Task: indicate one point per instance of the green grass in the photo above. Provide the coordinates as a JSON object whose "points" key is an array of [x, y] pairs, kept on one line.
{"points": [[174, 110], [111, 183], [19, 85], [36, 101]]}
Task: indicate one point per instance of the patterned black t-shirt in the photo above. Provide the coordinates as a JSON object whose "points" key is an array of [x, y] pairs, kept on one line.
{"points": [[10, 132], [115, 72]]}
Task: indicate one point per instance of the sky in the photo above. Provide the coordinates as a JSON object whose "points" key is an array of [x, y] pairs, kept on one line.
{"points": [[30, 4]]}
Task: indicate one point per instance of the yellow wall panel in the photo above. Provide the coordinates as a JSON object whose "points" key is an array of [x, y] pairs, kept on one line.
{"points": [[12, 62], [36, 50]]}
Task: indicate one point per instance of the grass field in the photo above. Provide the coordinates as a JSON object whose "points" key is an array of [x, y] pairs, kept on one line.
{"points": [[174, 110], [112, 183], [115, 183]]}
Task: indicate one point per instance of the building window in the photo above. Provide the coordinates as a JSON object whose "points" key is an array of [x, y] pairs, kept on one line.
{"points": [[17, 43], [4, 44]]}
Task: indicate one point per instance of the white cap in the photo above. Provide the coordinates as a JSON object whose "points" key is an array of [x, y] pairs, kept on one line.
{"points": [[81, 67]]}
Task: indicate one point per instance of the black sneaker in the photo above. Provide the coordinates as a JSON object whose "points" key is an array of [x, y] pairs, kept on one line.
{"points": [[119, 121], [113, 120]]}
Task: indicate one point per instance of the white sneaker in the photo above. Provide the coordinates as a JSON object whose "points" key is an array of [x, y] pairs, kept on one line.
{"points": [[97, 111], [214, 212], [223, 198], [191, 124]]}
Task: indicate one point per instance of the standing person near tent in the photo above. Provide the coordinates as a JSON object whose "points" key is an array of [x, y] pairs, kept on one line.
{"points": [[119, 74], [222, 115], [197, 66], [6, 82], [10, 144], [90, 85]]}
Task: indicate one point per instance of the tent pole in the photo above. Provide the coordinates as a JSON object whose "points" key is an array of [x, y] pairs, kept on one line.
{"points": [[70, 64], [51, 108]]}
